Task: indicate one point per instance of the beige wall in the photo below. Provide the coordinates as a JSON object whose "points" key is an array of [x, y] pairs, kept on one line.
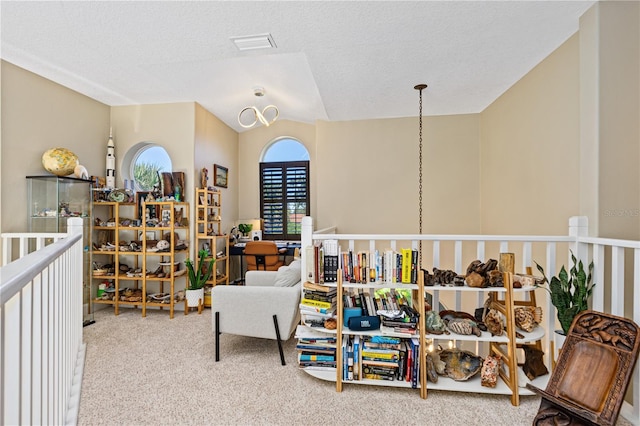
{"points": [[217, 143], [171, 126], [369, 169], [530, 150], [38, 114], [610, 39]]}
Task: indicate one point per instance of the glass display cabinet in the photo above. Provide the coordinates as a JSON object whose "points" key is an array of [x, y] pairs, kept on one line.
{"points": [[52, 200]]}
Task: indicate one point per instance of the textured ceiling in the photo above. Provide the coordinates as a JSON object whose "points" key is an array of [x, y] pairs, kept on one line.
{"points": [[335, 60]]}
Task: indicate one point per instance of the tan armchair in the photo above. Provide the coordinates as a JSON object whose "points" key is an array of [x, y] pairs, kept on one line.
{"points": [[263, 255]]}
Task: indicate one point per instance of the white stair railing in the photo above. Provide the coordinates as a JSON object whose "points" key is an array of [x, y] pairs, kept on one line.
{"points": [[42, 353]]}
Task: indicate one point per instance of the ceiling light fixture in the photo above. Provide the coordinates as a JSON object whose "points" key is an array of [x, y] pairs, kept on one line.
{"points": [[267, 116]]}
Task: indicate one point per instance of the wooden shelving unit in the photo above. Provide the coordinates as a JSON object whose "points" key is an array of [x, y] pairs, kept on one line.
{"points": [[209, 235], [124, 241], [503, 299]]}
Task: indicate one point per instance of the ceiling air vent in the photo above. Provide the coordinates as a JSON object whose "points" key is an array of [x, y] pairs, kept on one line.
{"points": [[257, 41]]}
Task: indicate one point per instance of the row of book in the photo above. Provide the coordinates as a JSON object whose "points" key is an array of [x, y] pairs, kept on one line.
{"points": [[373, 301], [324, 259], [393, 308], [381, 358]]}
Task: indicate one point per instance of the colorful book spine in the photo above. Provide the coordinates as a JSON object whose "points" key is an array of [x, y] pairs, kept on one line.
{"points": [[406, 265], [317, 303], [317, 357], [415, 365]]}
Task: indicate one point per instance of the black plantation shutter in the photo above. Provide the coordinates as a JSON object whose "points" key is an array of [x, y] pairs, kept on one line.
{"points": [[284, 198]]}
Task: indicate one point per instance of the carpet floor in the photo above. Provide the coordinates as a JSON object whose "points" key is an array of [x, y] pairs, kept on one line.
{"points": [[153, 370]]}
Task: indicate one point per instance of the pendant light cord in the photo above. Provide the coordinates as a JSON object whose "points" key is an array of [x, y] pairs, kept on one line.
{"points": [[420, 87]]}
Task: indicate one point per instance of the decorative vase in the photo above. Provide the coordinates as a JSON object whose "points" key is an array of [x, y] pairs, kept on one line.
{"points": [[194, 297]]}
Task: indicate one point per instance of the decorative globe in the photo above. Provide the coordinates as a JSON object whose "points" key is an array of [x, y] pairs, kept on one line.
{"points": [[59, 161]]}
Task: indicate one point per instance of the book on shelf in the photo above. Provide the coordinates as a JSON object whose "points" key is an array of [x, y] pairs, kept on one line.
{"points": [[310, 264], [318, 365], [379, 363], [327, 338], [320, 347], [381, 354], [415, 366], [310, 357], [317, 311], [330, 260], [321, 297], [414, 266], [357, 365], [304, 332], [379, 373], [317, 303], [319, 288], [318, 260], [406, 265]]}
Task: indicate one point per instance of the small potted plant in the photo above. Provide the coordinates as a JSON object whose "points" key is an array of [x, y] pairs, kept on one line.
{"points": [[197, 279], [570, 292], [245, 228]]}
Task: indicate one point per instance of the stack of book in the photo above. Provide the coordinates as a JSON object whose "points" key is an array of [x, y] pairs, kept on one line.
{"points": [[390, 358], [381, 359], [318, 302], [316, 350]]}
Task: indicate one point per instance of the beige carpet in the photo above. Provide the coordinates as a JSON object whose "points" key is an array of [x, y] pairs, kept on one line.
{"points": [[155, 370]]}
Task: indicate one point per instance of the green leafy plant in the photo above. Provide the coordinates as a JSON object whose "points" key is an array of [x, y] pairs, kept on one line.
{"points": [[570, 292], [197, 279], [245, 228], [146, 174]]}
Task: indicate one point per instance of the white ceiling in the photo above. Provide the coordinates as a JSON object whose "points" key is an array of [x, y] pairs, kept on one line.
{"points": [[335, 60]]}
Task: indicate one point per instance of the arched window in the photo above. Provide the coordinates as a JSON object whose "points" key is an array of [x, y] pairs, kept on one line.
{"points": [[142, 164], [284, 189]]}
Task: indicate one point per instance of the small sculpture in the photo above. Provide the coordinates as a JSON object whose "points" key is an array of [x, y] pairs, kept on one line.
{"points": [[490, 371], [533, 365], [204, 178], [433, 323], [464, 327], [527, 317], [494, 323], [460, 365]]}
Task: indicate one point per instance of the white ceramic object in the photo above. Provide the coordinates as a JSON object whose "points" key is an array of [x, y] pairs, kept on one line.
{"points": [[193, 297]]}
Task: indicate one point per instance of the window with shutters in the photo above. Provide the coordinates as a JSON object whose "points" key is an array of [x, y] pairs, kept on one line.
{"points": [[284, 191]]}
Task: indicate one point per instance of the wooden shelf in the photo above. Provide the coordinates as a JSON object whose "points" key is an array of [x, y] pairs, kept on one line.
{"points": [[140, 259], [209, 232]]}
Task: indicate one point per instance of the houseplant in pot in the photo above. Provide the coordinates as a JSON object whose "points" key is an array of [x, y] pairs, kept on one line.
{"points": [[570, 292], [198, 278], [245, 228]]}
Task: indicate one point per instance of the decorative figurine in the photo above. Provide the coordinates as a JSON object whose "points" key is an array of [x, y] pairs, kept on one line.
{"points": [[111, 162], [204, 178]]}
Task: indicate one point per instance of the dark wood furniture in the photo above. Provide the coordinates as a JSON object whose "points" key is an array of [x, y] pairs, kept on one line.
{"points": [[594, 368]]}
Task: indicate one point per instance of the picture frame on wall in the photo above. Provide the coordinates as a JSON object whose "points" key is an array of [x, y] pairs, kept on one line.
{"points": [[220, 176]]}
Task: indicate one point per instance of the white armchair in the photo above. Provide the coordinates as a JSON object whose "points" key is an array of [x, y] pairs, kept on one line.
{"points": [[267, 306]]}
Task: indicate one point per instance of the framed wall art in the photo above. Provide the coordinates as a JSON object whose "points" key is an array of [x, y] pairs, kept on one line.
{"points": [[220, 176]]}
